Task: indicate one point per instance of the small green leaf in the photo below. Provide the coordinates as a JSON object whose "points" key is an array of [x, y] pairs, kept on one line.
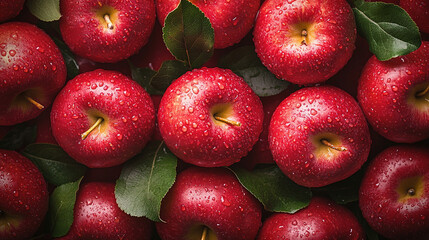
{"points": [[389, 29], [56, 165], [188, 35], [61, 205], [45, 10], [244, 62], [275, 191], [19, 136], [145, 180], [69, 60], [169, 71], [143, 76]]}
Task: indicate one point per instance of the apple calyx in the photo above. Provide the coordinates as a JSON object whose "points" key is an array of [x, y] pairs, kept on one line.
{"points": [[304, 35], [411, 192], [108, 21], [96, 124], [226, 120], [422, 93], [34, 102], [327, 143]]}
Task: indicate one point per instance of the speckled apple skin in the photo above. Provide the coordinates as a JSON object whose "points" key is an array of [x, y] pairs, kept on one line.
{"points": [[212, 197], [187, 126], [383, 91], [23, 195], [29, 59], [230, 19], [322, 219], [311, 111], [86, 37], [127, 105], [10, 9], [378, 198], [335, 31], [419, 12], [97, 216]]}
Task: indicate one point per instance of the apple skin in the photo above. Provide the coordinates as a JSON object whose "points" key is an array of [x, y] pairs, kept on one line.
{"points": [[44, 128], [86, 32], [418, 11], [300, 123], [329, 45], [186, 117], [97, 216], [30, 64], [231, 20], [321, 219], [384, 201], [23, 196], [386, 93], [10, 9], [210, 197], [126, 107]]}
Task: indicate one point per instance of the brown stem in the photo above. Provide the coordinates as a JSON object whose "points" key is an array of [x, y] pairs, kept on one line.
{"points": [[326, 143], [109, 22], [422, 93], [96, 124], [226, 120], [411, 192], [38, 105], [204, 234], [304, 35]]}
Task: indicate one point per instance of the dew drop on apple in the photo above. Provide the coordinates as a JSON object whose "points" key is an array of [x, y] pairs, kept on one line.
{"points": [[12, 53]]}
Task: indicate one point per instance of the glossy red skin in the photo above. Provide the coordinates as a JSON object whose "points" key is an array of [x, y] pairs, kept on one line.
{"points": [[23, 195], [311, 111], [10, 9], [127, 105], [44, 128], [419, 12], [29, 59], [383, 90], [97, 216], [378, 198], [320, 59], [231, 20], [85, 35], [186, 124], [212, 197], [321, 219]]}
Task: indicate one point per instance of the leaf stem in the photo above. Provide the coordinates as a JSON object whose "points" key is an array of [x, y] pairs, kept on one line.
{"points": [[31, 100], [96, 124], [327, 143]]}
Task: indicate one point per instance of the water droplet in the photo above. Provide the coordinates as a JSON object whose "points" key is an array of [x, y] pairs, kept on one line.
{"points": [[294, 222], [394, 88], [313, 112], [224, 201], [134, 118], [12, 53], [119, 136], [184, 129]]}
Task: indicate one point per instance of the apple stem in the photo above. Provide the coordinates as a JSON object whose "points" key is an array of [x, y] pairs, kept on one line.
{"points": [[225, 120], [204, 234], [38, 105], [422, 93], [109, 22], [304, 35], [411, 192], [325, 142], [96, 124]]}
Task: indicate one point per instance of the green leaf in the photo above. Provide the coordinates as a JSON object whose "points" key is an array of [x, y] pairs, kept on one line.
{"points": [[244, 62], [69, 60], [188, 35], [145, 180], [389, 30], [143, 76], [56, 166], [275, 191], [45, 10], [169, 71], [19, 136], [61, 205]]}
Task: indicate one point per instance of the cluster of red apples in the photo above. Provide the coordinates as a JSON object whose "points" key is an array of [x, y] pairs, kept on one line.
{"points": [[343, 110]]}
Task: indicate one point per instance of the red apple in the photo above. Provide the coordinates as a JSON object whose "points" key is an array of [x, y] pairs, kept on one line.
{"points": [[321, 219], [106, 31], [318, 136], [102, 118], [303, 41], [10, 9], [394, 193], [419, 12], [32, 71], [209, 203], [97, 216], [23, 196], [231, 19], [394, 96], [210, 117]]}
